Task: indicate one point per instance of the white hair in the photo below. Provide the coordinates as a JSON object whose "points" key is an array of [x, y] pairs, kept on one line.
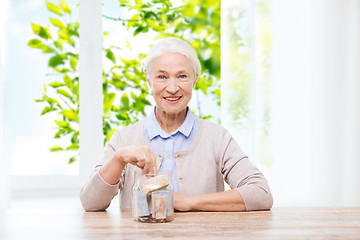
{"points": [[172, 45]]}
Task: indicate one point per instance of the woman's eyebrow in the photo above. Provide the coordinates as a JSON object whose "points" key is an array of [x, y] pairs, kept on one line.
{"points": [[161, 71], [182, 71]]}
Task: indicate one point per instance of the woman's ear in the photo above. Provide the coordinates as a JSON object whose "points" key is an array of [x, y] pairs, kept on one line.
{"points": [[195, 80], [149, 82]]}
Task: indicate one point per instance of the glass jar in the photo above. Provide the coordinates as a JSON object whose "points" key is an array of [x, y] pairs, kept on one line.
{"points": [[153, 198]]}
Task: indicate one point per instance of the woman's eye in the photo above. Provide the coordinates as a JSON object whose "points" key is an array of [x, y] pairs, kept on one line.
{"points": [[161, 77], [182, 76]]}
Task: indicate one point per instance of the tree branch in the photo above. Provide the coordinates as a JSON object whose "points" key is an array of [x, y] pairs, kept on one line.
{"points": [[120, 19]]}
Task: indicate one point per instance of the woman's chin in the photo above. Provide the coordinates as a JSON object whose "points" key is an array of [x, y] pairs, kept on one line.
{"points": [[171, 110]]}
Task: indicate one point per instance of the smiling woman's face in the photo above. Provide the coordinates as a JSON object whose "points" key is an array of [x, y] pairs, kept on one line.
{"points": [[172, 79]]}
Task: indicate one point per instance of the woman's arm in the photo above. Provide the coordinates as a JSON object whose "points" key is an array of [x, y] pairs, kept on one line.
{"points": [[228, 201], [250, 190], [103, 185]]}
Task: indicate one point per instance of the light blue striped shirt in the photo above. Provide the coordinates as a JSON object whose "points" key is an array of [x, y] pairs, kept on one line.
{"points": [[167, 144]]}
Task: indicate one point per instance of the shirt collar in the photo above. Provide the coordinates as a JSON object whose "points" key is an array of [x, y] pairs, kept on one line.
{"points": [[153, 127]]}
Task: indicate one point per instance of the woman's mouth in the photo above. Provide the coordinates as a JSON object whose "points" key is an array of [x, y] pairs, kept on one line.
{"points": [[172, 99]]}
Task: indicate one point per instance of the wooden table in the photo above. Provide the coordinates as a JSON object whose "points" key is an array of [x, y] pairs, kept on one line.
{"points": [[279, 223]]}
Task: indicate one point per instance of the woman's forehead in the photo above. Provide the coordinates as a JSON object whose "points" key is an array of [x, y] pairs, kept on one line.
{"points": [[171, 60]]}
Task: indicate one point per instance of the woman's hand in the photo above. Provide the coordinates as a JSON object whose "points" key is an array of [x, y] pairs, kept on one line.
{"points": [[183, 202], [142, 157]]}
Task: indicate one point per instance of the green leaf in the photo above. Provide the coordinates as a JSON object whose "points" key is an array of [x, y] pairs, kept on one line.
{"points": [[110, 55], [51, 100], [64, 93], [72, 159], [56, 84], [133, 95], [65, 7], [53, 8], [55, 61], [62, 124], [154, 25], [40, 31], [108, 100], [123, 117], [73, 147], [56, 148], [65, 37], [47, 110], [57, 23], [108, 136], [68, 81], [61, 70], [75, 137], [140, 29], [133, 21], [106, 126], [71, 115], [62, 132], [125, 100], [201, 84], [36, 43], [58, 45], [75, 90], [217, 92], [73, 62]]}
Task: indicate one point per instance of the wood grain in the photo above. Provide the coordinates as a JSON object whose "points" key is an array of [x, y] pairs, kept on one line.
{"points": [[279, 223]]}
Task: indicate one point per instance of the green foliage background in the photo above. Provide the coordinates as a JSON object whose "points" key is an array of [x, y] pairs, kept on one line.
{"points": [[126, 95]]}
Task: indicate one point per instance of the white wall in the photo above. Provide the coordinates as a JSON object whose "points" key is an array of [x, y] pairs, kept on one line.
{"points": [[336, 126], [4, 183], [315, 102]]}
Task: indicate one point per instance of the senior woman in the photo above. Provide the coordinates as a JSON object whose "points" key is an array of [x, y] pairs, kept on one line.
{"points": [[200, 154]]}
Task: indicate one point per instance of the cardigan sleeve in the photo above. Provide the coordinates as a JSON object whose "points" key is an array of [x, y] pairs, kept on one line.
{"points": [[96, 194], [243, 176]]}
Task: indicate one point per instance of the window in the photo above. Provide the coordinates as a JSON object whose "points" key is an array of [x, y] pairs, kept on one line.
{"points": [[246, 67], [289, 95], [28, 136]]}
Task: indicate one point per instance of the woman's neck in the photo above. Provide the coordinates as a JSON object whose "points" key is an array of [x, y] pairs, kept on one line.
{"points": [[170, 122]]}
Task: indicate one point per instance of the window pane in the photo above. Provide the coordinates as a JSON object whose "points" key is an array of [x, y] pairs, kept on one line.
{"points": [[130, 31], [29, 135], [246, 66]]}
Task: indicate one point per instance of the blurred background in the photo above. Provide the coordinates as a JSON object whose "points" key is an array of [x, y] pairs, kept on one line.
{"points": [[282, 76]]}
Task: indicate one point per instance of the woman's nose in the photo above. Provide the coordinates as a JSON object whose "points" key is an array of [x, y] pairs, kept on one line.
{"points": [[172, 86]]}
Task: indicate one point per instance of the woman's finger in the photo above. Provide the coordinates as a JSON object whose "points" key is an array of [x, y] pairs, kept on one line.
{"points": [[150, 163], [140, 164]]}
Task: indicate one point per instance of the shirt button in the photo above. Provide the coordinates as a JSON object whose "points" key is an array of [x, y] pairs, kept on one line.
{"points": [[180, 178]]}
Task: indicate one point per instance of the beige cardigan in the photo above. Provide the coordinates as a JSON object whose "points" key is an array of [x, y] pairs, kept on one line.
{"points": [[213, 157]]}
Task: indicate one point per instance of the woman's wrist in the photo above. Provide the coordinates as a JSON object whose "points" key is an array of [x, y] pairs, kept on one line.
{"points": [[193, 202], [119, 158], [112, 170]]}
